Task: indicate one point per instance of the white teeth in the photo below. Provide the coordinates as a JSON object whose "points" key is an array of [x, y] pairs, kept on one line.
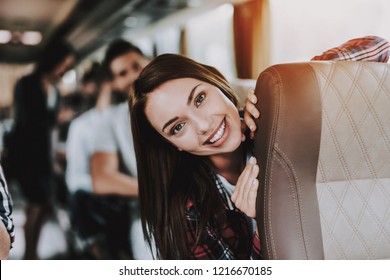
{"points": [[219, 133]]}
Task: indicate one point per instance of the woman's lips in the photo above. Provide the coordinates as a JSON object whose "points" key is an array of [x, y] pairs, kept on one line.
{"points": [[217, 135]]}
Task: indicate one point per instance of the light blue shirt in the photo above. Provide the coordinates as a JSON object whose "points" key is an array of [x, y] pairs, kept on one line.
{"points": [[79, 149]]}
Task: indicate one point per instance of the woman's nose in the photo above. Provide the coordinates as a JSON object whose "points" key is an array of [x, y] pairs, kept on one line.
{"points": [[202, 125]]}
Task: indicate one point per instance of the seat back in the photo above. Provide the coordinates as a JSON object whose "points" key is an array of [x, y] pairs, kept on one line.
{"points": [[323, 145]]}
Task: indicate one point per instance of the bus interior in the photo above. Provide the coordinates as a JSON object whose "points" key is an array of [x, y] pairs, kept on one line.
{"points": [[241, 38]]}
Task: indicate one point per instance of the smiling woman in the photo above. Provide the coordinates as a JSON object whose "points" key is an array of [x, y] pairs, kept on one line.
{"points": [[197, 190], [202, 122]]}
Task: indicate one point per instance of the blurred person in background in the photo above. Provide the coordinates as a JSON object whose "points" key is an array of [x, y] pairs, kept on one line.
{"points": [[90, 87], [90, 213], [113, 165], [77, 102], [69, 108], [36, 103]]}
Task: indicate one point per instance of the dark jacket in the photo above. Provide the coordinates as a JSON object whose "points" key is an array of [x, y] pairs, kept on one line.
{"points": [[34, 122]]}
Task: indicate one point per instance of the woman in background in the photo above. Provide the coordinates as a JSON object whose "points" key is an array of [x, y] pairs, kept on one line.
{"points": [[36, 100]]}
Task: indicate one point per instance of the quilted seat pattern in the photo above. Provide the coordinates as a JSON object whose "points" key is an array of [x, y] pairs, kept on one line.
{"points": [[353, 175], [323, 147]]}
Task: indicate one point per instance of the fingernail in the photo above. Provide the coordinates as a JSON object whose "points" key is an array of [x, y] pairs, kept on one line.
{"points": [[254, 181], [251, 127], [253, 100], [252, 160]]}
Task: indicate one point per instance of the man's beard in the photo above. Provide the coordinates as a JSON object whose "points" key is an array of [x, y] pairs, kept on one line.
{"points": [[119, 97], [90, 101]]}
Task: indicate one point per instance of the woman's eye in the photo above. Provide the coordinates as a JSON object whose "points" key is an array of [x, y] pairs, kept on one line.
{"points": [[199, 99], [176, 129]]}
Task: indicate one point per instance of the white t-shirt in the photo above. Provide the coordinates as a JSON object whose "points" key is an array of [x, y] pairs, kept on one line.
{"points": [[79, 149], [114, 135]]}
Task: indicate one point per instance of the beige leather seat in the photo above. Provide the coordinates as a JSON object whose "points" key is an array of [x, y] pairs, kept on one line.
{"points": [[323, 144]]}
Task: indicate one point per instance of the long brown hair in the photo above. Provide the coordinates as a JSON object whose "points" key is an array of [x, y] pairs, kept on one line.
{"points": [[169, 178]]}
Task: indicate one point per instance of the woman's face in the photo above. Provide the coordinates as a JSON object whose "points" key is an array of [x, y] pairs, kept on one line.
{"points": [[195, 117], [62, 67]]}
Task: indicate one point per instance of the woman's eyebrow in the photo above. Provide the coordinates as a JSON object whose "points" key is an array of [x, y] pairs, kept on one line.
{"points": [[192, 94], [169, 122]]}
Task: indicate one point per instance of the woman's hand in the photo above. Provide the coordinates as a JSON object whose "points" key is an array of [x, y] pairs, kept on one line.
{"points": [[245, 193], [251, 112]]}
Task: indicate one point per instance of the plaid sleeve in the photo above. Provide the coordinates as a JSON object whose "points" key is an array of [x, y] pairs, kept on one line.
{"points": [[211, 246], [256, 250], [6, 207], [369, 48]]}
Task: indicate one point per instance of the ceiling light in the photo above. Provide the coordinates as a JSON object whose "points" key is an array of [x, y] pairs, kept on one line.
{"points": [[5, 36], [130, 22], [31, 37]]}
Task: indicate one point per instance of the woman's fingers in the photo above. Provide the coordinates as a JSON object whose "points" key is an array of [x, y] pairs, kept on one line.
{"points": [[251, 96], [251, 182], [245, 174], [252, 199], [245, 193], [251, 112]]}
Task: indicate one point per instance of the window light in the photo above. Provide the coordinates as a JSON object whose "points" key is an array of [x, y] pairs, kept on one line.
{"points": [[5, 36]]}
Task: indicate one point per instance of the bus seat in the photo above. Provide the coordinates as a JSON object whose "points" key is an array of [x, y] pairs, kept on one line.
{"points": [[323, 147]]}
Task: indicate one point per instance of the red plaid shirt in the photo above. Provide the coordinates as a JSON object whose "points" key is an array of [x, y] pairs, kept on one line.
{"points": [[232, 241], [370, 48]]}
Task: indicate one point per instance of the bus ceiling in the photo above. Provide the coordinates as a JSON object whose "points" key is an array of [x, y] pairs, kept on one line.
{"points": [[27, 25]]}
